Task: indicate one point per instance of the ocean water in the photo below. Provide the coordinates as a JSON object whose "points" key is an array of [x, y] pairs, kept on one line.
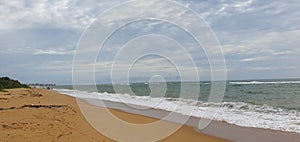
{"points": [[269, 104]]}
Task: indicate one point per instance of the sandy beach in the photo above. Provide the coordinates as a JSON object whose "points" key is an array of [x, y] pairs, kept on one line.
{"points": [[42, 115], [150, 70]]}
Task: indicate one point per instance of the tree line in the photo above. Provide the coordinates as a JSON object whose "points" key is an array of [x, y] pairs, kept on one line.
{"points": [[8, 83]]}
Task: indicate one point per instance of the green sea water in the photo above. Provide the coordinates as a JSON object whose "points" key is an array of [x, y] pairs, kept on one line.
{"points": [[276, 93]]}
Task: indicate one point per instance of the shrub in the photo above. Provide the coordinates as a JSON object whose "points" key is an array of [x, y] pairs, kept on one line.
{"points": [[7, 83]]}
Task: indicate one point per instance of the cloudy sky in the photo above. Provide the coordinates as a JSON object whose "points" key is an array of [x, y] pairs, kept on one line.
{"points": [[259, 39]]}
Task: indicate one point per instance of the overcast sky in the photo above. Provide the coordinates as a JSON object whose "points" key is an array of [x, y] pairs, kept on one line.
{"points": [[259, 39]]}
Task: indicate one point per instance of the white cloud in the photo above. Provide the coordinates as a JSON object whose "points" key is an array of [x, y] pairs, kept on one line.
{"points": [[212, 10], [262, 43], [63, 13], [249, 30], [254, 59], [243, 6], [64, 66], [51, 52], [259, 68]]}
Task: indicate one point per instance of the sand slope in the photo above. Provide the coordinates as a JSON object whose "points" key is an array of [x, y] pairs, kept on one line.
{"points": [[29, 115]]}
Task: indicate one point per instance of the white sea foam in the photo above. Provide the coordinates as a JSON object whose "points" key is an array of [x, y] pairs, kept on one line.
{"points": [[238, 113], [264, 82]]}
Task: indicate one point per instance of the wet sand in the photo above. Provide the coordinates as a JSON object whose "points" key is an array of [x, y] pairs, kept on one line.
{"points": [[215, 128], [29, 115]]}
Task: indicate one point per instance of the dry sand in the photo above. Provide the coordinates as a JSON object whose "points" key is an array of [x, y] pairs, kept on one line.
{"points": [[30, 115]]}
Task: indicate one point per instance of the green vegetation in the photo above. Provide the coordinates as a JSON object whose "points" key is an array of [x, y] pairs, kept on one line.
{"points": [[7, 83]]}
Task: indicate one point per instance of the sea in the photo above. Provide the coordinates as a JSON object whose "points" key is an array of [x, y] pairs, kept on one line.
{"points": [[268, 104]]}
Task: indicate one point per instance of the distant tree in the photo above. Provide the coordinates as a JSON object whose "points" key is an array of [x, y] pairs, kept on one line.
{"points": [[7, 83]]}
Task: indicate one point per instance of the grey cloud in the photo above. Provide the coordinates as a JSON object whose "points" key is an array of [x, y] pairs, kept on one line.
{"points": [[257, 36]]}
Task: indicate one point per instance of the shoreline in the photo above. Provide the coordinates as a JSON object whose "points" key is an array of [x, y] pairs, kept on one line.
{"points": [[43, 115], [239, 113], [37, 105], [219, 129]]}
